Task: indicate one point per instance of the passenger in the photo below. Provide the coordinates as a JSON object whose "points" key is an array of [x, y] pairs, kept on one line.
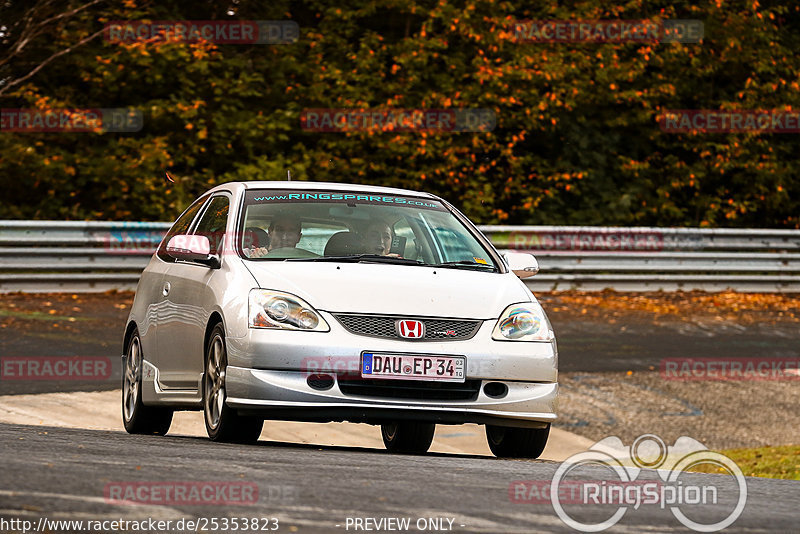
{"points": [[378, 238]]}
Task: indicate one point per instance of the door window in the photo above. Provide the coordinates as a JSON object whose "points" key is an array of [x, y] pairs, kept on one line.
{"points": [[212, 223], [181, 226]]}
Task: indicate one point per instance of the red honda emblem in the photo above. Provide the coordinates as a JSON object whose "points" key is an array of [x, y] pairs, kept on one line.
{"points": [[410, 328]]}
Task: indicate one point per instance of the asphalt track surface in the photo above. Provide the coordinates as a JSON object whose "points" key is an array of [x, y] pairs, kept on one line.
{"points": [[63, 473]]}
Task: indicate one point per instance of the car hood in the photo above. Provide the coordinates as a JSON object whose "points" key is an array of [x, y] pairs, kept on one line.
{"points": [[393, 289]]}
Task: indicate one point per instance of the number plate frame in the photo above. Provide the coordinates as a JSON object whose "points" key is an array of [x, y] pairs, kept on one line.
{"points": [[407, 361]]}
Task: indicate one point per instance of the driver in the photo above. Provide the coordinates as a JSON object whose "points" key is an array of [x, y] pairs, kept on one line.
{"points": [[285, 231], [378, 238]]}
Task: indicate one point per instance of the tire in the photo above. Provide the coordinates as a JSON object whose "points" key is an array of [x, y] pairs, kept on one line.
{"points": [[408, 437], [223, 423], [510, 442], [138, 418]]}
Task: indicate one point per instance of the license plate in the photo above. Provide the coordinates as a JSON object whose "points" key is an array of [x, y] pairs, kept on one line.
{"points": [[412, 366]]}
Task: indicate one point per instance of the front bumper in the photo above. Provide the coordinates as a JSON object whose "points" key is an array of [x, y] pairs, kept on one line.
{"points": [[268, 370]]}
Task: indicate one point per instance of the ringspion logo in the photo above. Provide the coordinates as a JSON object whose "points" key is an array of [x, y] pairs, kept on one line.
{"points": [[577, 491], [646, 473]]}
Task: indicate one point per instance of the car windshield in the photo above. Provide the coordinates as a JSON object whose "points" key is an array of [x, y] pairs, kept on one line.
{"points": [[356, 226]]}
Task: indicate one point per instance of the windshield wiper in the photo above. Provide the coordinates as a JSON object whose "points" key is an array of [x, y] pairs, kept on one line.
{"points": [[358, 258], [468, 264], [376, 258]]}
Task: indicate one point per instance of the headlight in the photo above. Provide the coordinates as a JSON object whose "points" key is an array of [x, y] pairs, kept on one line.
{"points": [[275, 309], [523, 322]]}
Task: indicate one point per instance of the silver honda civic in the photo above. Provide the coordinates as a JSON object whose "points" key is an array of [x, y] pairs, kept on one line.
{"points": [[324, 302]]}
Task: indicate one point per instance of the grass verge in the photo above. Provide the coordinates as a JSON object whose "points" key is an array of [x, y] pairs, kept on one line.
{"points": [[767, 462]]}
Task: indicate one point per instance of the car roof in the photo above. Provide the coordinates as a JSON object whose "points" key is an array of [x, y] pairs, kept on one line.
{"points": [[331, 186]]}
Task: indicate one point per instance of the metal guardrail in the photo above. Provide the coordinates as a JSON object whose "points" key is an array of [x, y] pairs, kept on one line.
{"points": [[44, 256], [59, 256], [650, 259]]}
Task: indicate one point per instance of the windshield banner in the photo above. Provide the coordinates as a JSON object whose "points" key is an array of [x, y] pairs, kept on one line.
{"points": [[266, 196]]}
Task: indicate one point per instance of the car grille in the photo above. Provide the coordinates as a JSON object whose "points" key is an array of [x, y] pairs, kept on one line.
{"points": [[383, 326], [410, 389]]}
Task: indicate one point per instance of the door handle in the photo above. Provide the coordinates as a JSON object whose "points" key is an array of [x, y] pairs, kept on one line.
{"points": [[166, 288]]}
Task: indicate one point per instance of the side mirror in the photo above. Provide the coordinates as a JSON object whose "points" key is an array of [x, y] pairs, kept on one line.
{"points": [[523, 265], [192, 248]]}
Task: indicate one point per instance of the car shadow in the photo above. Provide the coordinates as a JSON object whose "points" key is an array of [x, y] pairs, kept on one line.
{"points": [[313, 446]]}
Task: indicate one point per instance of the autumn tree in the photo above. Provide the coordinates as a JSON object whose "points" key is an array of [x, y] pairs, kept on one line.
{"points": [[577, 138]]}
